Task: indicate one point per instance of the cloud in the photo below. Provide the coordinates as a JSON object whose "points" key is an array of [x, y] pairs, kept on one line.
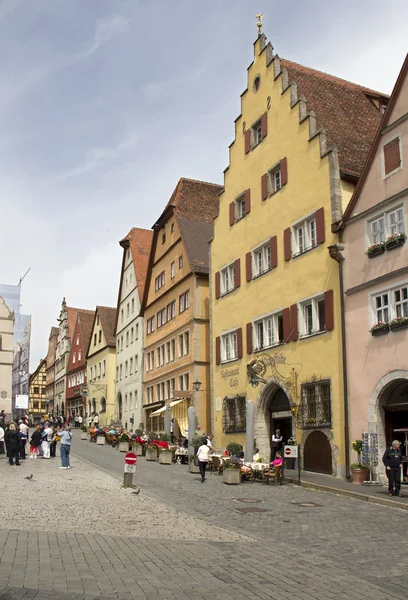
{"points": [[105, 30]]}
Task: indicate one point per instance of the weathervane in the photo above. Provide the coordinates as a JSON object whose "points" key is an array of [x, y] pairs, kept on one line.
{"points": [[259, 16]]}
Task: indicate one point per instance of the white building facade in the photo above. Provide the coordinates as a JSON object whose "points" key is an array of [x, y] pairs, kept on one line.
{"points": [[6, 356]]}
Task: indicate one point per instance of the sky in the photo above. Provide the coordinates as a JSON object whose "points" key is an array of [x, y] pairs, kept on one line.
{"points": [[105, 104]]}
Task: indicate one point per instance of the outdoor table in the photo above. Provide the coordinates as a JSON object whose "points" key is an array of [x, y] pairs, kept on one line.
{"points": [[257, 467], [181, 455]]}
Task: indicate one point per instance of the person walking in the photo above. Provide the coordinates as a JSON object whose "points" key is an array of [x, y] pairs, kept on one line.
{"points": [[13, 444], [46, 441], [35, 442], [202, 456], [79, 421], [1, 439], [23, 435], [392, 460], [65, 447], [276, 444]]}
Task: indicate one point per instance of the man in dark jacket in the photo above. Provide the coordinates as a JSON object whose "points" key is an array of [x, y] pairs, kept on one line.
{"points": [[392, 460], [13, 444]]}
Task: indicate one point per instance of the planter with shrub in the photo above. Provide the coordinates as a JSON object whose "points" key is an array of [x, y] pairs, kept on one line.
{"points": [[359, 473], [124, 443], [165, 457]]}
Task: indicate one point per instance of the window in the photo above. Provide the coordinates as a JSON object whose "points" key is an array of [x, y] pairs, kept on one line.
{"points": [[121, 342], [234, 415], [120, 372], [268, 331], [163, 238], [240, 211], [173, 269], [160, 352], [36, 390], [172, 228], [150, 360], [121, 315], [100, 336], [131, 366], [392, 156], [127, 309], [159, 281], [161, 317], [315, 404], [387, 224], [261, 260], [97, 319], [118, 345], [133, 305], [184, 382], [77, 340], [150, 325], [126, 368], [256, 133], [79, 355], [312, 316], [127, 338], [401, 302], [1, 343], [136, 400], [104, 368], [187, 300], [391, 304], [74, 357], [229, 346], [305, 235], [91, 374], [132, 335], [227, 279], [130, 277], [181, 303], [184, 302], [136, 363], [130, 400], [99, 370], [137, 331], [149, 394], [94, 339], [180, 262], [184, 343]]}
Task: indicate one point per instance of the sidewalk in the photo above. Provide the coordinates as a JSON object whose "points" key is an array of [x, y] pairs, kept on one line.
{"points": [[376, 493]]}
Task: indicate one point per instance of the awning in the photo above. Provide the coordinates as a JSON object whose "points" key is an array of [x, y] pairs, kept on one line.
{"points": [[177, 402], [157, 412]]}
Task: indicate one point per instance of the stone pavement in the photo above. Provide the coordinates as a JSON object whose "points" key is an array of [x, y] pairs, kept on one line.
{"points": [[77, 534]]}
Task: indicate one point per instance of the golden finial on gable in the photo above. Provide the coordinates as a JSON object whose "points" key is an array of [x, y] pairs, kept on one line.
{"points": [[259, 17]]}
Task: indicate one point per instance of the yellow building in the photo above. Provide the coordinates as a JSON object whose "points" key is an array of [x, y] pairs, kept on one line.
{"points": [[176, 308], [300, 143], [37, 405], [101, 366]]}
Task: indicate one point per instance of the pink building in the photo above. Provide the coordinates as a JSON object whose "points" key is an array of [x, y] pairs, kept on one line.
{"points": [[376, 282]]}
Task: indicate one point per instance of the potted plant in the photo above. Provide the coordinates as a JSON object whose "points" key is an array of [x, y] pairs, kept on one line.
{"points": [[165, 456], [84, 432], [394, 241], [375, 249], [124, 442], [152, 447], [359, 473], [399, 323], [380, 328], [137, 446]]}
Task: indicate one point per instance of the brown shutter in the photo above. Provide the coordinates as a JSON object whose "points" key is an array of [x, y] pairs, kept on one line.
{"points": [[264, 124], [232, 213], [392, 158], [328, 310], [217, 285], [284, 171], [294, 333], [274, 251], [247, 141], [320, 225], [218, 350], [286, 244], [264, 186], [248, 265], [286, 325], [239, 342], [247, 201], [249, 337], [237, 269]]}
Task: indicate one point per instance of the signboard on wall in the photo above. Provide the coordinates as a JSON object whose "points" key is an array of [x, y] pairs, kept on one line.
{"points": [[21, 401]]}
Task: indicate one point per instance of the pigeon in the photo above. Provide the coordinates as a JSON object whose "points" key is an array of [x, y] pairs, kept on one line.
{"points": [[137, 491], [29, 476]]}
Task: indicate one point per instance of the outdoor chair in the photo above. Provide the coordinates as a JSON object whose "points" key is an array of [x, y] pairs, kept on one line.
{"points": [[248, 474], [273, 473], [217, 464]]}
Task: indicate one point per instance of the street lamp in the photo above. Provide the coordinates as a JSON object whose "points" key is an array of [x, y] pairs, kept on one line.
{"points": [[197, 385]]}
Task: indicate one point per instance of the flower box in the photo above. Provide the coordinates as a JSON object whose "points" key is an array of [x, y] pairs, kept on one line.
{"points": [[399, 323], [380, 330], [123, 446], [84, 435], [231, 476], [165, 458], [101, 440], [395, 242], [375, 250], [151, 454]]}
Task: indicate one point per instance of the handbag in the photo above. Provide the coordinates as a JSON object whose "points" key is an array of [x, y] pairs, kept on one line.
{"points": [[57, 438]]}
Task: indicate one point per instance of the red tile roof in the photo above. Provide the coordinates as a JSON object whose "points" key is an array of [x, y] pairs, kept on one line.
{"points": [[140, 242], [86, 322], [72, 317], [107, 317], [343, 109]]}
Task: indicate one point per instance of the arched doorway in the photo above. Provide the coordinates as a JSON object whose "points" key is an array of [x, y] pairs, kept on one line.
{"points": [[272, 411], [62, 409], [102, 405], [317, 454], [119, 406]]}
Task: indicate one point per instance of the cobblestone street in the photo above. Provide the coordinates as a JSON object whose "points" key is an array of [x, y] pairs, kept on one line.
{"points": [[78, 534]]}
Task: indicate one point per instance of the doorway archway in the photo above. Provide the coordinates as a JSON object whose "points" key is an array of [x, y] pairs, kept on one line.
{"points": [[102, 405], [317, 453]]}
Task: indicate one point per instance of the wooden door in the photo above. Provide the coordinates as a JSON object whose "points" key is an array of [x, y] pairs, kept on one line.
{"points": [[317, 454]]}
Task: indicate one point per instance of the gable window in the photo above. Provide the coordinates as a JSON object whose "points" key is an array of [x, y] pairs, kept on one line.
{"points": [[133, 305], [121, 342], [150, 325], [256, 133], [94, 339], [180, 262], [173, 269], [100, 336], [159, 281], [74, 357], [79, 355], [229, 346], [228, 279], [274, 179], [268, 331], [392, 156], [77, 340], [234, 415], [97, 319], [163, 238], [127, 309], [312, 316], [315, 404], [387, 224], [261, 260], [172, 228], [104, 368], [121, 315]]}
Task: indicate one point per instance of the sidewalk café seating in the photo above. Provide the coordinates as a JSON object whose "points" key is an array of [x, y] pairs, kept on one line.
{"points": [[273, 473], [217, 464], [247, 474], [111, 439]]}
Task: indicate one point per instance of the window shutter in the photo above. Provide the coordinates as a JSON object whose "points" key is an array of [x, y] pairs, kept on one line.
{"points": [[294, 333], [264, 124], [237, 269], [247, 141], [328, 310], [239, 342], [284, 171], [249, 337], [264, 186], [286, 325], [320, 225], [217, 285], [232, 213], [392, 158], [274, 251], [247, 201], [248, 264], [218, 350], [286, 244]]}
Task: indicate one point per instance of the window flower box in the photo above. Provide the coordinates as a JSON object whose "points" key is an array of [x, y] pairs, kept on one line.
{"points": [[375, 250], [399, 323], [380, 328], [394, 241]]}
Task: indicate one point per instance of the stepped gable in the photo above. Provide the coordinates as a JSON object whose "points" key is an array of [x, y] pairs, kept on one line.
{"points": [[140, 243], [343, 109]]}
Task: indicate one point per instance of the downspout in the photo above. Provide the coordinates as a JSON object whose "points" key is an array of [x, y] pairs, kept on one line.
{"points": [[335, 253]]}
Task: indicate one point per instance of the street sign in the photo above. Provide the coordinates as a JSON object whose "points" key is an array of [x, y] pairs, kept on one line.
{"points": [[130, 458], [290, 451], [130, 468], [84, 391]]}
